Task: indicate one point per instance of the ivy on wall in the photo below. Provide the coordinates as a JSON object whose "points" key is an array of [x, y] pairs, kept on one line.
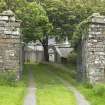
{"points": [[81, 32]]}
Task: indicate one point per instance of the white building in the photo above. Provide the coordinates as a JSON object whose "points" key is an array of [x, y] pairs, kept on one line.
{"points": [[34, 52], [59, 52]]}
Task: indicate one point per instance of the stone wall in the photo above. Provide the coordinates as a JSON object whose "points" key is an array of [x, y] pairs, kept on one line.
{"points": [[93, 50], [10, 44]]}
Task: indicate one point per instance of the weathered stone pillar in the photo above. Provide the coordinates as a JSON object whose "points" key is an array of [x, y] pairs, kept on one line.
{"points": [[93, 51], [10, 44]]}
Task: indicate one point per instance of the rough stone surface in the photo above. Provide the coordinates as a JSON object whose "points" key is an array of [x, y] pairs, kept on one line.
{"points": [[93, 51], [10, 43]]}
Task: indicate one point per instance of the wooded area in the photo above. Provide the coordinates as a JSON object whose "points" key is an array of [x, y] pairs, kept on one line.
{"points": [[60, 18]]}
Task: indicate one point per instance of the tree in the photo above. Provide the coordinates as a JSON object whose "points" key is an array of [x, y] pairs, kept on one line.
{"points": [[2, 5], [82, 12], [60, 16], [35, 24]]}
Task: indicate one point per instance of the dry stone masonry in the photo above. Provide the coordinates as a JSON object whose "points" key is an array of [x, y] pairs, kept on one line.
{"points": [[93, 51], [10, 44]]}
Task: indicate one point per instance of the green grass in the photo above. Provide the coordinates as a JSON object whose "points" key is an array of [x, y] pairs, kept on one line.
{"points": [[13, 94], [95, 95], [95, 99], [50, 91]]}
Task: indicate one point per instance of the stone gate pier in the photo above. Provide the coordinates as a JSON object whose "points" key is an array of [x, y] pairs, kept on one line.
{"points": [[93, 50], [10, 44]]}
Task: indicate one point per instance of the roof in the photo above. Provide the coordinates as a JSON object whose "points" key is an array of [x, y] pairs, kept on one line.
{"points": [[34, 46], [51, 41], [64, 50]]}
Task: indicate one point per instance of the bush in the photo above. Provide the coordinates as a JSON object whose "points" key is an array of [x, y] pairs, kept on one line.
{"points": [[99, 89], [88, 85], [8, 78], [72, 57]]}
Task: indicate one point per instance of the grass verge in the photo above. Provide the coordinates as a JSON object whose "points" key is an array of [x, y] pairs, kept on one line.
{"points": [[95, 95], [13, 94]]}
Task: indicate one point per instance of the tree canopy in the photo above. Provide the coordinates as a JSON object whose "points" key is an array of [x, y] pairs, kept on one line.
{"points": [[59, 18]]}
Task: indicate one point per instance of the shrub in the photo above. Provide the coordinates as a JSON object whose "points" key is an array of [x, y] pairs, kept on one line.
{"points": [[8, 78], [72, 57], [99, 89], [88, 85]]}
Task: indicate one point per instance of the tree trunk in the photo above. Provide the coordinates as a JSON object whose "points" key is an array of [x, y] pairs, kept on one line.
{"points": [[46, 55], [45, 47]]}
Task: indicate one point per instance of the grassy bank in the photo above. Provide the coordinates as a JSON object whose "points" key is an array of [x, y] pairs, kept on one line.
{"points": [[50, 91], [13, 93], [95, 95]]}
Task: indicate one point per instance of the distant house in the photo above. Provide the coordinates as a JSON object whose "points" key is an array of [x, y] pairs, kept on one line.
{"points": [[34, 52], [62, 52], [59, 52]]}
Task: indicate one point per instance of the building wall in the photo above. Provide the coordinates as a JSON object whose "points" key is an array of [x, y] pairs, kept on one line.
{"points": [[58, 58], [34, 56], [54, 57]]}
